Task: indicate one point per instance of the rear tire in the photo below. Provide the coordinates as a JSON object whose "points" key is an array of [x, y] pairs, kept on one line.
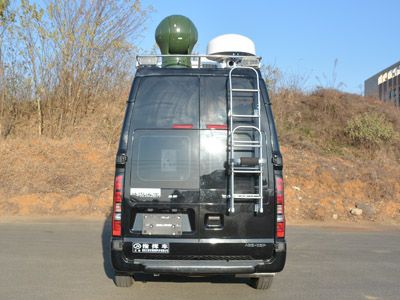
{"points": [[262, 283], [123, 280]]}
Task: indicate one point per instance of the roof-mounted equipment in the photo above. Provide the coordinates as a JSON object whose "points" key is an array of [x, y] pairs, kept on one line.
{"points": [[176, 35]]}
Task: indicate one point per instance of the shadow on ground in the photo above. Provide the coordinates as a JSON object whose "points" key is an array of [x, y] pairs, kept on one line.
{"points": [[220, 279], [105, 241], [109, 272]]}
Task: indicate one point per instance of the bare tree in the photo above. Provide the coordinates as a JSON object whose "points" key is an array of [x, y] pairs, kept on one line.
{"points": [[94, 43], [77, 53], [6, 18]]}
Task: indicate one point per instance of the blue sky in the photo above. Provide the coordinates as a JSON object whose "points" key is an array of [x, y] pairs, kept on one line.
{"points": [[302, 38]]}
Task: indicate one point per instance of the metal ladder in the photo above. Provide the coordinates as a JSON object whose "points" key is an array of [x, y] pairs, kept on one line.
{"points": [[245, 165]]}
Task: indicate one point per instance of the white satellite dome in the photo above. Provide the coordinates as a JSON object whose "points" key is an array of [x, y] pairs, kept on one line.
{"points": [[231, 44]]}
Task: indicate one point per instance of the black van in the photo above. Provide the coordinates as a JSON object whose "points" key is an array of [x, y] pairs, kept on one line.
{"points": [[198, 182]]}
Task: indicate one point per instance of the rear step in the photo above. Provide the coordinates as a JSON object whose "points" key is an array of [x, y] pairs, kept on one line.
{"points": [[198, 267]]}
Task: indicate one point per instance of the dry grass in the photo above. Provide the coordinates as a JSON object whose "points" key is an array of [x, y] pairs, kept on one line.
{"points": [[318, 121], [325, 173]]}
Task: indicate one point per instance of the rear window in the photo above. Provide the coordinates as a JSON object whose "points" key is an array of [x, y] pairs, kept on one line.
{"points": [[162, 102], [213, 96], [165, 159], [189, 101], [213, 157]]}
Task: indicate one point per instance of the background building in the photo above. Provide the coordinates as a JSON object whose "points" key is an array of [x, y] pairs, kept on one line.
{"points": [[385, 85]]}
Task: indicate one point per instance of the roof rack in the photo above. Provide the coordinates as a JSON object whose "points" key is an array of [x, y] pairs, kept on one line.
{"points": [[202, 61]]}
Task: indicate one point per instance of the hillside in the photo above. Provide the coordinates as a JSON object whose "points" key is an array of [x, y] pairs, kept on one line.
{"points": [[336, 157], [340, 151]]}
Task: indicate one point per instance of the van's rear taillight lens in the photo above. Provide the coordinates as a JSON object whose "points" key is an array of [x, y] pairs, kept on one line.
{"points": [[280, 207], [117, 207]]}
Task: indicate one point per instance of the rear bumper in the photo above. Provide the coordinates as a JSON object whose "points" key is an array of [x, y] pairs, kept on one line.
{"points": [[273, 264]]}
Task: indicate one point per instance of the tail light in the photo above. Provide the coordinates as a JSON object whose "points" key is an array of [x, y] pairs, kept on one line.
{"points": [[117, 209], [217, 126], [280, 207], [182, 126]]}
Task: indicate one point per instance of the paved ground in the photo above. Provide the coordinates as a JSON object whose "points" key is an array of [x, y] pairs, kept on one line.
{"points": [[64, 259]]}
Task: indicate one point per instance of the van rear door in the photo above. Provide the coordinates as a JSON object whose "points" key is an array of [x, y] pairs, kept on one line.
{"points": [[214, 221], [163, 167]]}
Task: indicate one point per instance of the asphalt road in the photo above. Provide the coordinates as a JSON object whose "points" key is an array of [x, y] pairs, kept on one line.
{"points": [[68, 259]]}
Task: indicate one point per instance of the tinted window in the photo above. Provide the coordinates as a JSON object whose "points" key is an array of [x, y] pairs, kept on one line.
{"points": [[162, 102], [165, 159], [213, 104], [213, 156], [214, 96]]}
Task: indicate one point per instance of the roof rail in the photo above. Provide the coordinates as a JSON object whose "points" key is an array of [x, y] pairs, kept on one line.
{"points": [[202, 61]]}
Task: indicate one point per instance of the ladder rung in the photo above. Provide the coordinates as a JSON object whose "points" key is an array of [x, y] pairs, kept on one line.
{"points": [[246, 146], [246, 116], [247, 142], [247, 171], [247, 196], [245, 90], [246, 168], [244, 129]]}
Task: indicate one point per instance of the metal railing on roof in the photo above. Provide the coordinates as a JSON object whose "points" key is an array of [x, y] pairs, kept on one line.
{"points": [[202, 61]]}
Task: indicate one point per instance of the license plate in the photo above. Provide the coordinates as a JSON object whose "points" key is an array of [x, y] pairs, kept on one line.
{"points": [[162, 248], [162, 224]]}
